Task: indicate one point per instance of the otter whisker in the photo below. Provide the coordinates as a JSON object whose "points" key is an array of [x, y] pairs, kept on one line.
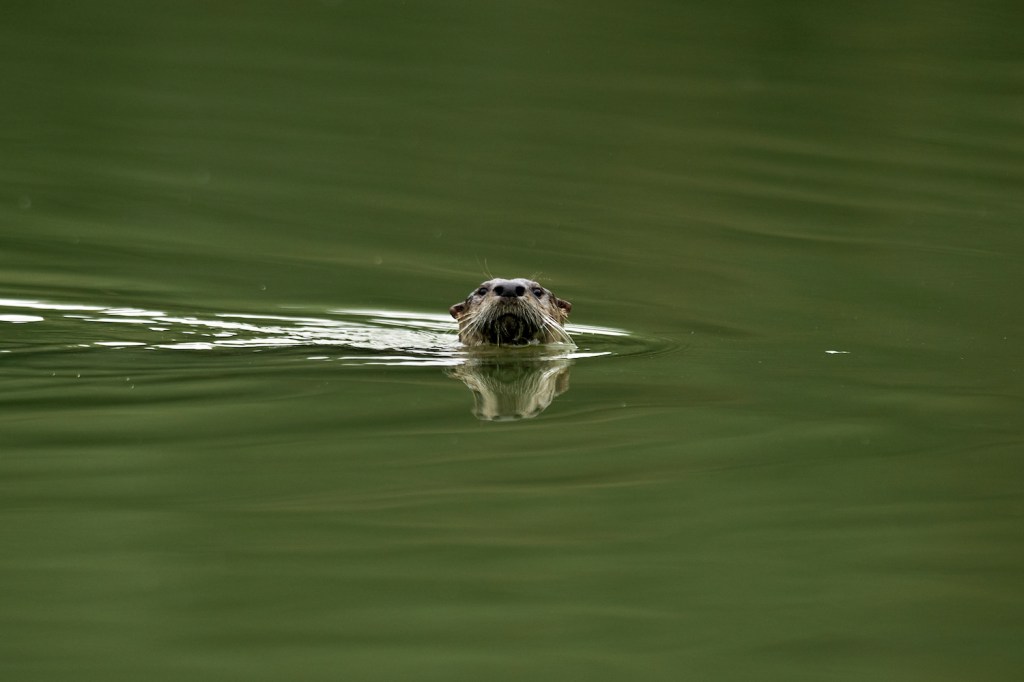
{"points": [[557, 330], [473, 324]]}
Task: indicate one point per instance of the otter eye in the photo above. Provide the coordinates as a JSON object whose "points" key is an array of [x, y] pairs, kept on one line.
{"points": [[481, 291], [538, 292]]}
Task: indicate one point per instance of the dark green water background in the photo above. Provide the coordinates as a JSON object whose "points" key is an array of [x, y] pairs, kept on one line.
{"points": [[742, 186]]}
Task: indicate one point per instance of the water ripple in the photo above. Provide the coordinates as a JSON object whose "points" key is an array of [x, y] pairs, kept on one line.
{"points": [[385, 337]]}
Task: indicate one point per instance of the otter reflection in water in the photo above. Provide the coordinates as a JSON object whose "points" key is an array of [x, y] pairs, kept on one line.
{"points": [[516, 383], [505, 389]]}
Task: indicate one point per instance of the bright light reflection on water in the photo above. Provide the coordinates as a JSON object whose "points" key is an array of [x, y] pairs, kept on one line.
{"points": [[385, 337]]}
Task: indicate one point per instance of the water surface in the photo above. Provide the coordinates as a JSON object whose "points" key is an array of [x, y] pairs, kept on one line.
{"points": [[235, 442]]}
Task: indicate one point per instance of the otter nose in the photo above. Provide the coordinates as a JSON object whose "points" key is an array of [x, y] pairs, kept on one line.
{"points": [[509, 289]]}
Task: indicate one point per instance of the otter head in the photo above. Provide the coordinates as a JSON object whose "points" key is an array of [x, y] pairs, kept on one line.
{"points": [[511, 312]]}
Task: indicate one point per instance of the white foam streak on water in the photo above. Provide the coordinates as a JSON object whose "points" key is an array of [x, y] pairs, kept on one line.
{"points": [[117, 320], [21, 319], [396, 315], [422, 339], [133, 312], [39, 305], [596, 331]]}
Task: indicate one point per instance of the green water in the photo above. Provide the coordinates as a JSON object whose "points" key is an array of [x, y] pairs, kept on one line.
{"points": [[716, 496]]}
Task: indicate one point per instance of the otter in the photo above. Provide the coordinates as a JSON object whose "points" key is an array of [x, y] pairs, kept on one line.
{"points": [[511, 312]]}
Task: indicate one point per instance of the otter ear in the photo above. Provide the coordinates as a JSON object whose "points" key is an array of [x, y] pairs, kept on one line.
{"points": [[457, 310], [564, 305]]}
